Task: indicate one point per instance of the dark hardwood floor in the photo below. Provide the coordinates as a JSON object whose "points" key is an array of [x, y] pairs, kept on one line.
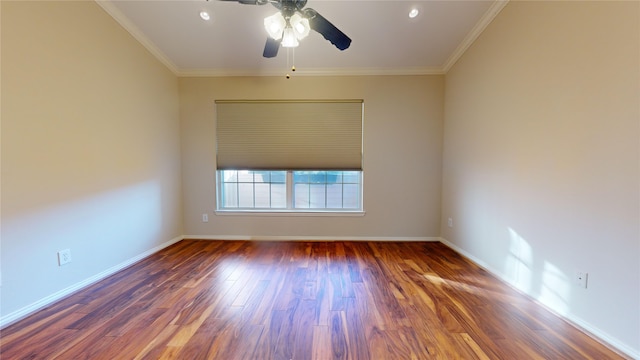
{"points": [[298, 300]]}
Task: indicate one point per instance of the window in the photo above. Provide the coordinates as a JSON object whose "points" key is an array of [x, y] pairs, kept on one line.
{"points": [[247, 190], [289, 155], [326, 190], [252, 189]]}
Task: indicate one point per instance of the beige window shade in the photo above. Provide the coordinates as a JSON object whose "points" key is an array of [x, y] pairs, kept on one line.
{"points": [[292, 135]]}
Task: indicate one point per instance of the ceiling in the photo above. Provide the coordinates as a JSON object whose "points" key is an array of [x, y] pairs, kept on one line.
{"points": [[385, 40]]}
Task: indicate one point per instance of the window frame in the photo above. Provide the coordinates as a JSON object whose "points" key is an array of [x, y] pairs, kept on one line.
{"points": [[290, 209]]}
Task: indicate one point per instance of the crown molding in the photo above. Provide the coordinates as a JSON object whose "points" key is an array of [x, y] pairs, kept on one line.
{"points": [[313, 72], [471, 37], [119, 17]]}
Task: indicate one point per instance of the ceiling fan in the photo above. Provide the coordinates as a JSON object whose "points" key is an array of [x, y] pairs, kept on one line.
{"points": [[293, 23]]}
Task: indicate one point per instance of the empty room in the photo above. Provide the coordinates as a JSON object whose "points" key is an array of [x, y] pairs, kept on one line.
{"points": [[290, 179]]}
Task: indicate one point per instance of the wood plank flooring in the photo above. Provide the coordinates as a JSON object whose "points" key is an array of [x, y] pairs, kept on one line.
{"points": [[298, 300]]}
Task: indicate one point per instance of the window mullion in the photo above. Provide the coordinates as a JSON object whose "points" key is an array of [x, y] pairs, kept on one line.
{"points": [[325, 192], [342, 194], [270, 190], [237, 191], [309, 193], [289, 187]]}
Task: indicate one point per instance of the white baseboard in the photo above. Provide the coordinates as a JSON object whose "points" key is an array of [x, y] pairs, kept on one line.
{"points": [[309, 238], [592, 331], [48, 300], [596, 333], [30, 309]]}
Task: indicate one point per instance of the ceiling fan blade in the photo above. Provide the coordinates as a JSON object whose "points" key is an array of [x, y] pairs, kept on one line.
{"points": [[249, 2], [271, 48], [327, 29]]}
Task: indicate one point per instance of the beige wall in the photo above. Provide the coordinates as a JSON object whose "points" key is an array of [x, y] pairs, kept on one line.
{"points": [[90, 148], [402, 155], [541, 158]]}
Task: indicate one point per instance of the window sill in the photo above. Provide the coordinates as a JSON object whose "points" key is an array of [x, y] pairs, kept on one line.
{"points": [[288, 213]]}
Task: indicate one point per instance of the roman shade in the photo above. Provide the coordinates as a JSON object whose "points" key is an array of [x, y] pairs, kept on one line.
{"points": [[289, 134]]}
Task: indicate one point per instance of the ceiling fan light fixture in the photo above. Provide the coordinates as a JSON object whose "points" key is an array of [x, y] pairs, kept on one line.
{"points": [[300, 26], [289, 39], [293, 23], [275, 25]]}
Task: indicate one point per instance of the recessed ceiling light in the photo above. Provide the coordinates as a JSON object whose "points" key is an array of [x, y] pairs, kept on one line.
{"points": [[205, 16], [413, 13]]}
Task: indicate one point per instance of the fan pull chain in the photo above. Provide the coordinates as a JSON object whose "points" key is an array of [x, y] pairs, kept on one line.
{"points": [[288, 76], [293, 60]]}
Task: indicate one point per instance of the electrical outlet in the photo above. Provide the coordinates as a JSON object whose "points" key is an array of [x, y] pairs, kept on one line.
{"points": [[64, 257], [205, 217], [450, 222], [581, 279]]}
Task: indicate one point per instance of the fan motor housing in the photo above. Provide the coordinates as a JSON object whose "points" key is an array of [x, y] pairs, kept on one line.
{"points": [[288, 7]]}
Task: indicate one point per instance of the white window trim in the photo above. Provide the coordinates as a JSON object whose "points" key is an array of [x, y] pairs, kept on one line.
{"points": [[328, 213]]}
